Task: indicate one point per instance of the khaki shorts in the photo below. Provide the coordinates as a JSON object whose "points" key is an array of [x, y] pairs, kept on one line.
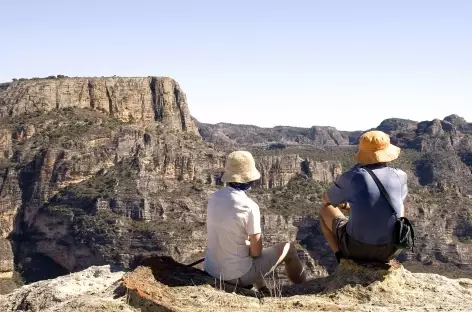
{"points": [[355, 250], [262, 265]]}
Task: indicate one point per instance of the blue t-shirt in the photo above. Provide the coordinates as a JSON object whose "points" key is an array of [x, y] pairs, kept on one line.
{"points": [[371, 219]]}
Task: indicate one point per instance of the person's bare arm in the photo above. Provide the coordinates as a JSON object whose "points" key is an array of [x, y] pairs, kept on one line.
{"points": [[254, 231], [255, 245]]}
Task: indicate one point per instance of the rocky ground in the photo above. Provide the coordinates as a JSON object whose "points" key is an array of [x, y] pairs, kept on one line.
{"points": [[351, 288]]}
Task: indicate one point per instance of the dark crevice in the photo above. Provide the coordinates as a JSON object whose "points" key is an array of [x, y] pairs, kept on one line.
{"points": [[305, 167], [58, 170], [110, 102], [90, 91], [37, 267], [19, 237], [155, 107], [57, 97], [5, 177], [182, 115]]}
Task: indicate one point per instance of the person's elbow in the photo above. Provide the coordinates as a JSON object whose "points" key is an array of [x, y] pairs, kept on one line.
{"points": [[325, 198]]}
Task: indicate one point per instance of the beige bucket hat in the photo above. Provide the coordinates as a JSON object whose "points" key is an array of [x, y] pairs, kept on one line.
{"points": [[240, 168], [375, 147]]}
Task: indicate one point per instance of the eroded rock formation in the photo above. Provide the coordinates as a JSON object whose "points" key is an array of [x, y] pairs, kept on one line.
{"points": [[129, 99]]}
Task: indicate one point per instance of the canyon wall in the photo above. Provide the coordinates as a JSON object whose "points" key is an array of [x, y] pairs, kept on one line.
{"points": [[145, 99]]}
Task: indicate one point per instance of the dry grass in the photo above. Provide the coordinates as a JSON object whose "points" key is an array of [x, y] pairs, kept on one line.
{"points": [[352, 288]]}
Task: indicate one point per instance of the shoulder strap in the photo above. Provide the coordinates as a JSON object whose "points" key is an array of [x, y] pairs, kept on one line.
{"points": [[380, 186], [196, 262]]}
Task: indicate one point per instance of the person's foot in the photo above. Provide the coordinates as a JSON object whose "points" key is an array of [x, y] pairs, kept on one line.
{"points": [[262, 291], [339, 255]]}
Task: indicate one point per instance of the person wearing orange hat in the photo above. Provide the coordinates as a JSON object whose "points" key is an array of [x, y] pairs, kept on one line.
{"points": [[374, 205], [234, 250]]}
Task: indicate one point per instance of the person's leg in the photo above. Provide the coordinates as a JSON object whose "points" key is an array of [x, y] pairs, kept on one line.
{"points": [[332, 242], [332, 220], [293, 266], [328, 213], [269, 259]]}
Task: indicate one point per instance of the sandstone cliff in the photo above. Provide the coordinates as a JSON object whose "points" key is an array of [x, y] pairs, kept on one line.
{"points": [[278, 171], [137, 99]]}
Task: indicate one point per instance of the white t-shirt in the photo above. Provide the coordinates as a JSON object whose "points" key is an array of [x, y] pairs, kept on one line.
{"points": [[231, 217]]}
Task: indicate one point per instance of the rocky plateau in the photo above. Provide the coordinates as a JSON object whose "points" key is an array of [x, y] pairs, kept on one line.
{"points": [[160, 287]]}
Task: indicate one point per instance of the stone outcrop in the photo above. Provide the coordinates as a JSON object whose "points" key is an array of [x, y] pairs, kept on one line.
{"points": [[327, 136], [93, 289], [352, 287], [396, 124], [160, 284], [322, 171], [146, 99], [10, 203], [5, 146], [277, 171]]}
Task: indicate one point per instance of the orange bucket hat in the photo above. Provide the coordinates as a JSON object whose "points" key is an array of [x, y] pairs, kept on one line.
{"points": [[375, 147]]}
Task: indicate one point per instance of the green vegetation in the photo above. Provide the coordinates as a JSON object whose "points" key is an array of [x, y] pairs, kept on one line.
{"points": [[98, 186], [465, 239], [301, 196], [60, 209]]}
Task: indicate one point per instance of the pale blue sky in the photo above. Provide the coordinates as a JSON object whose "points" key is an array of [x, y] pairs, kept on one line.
{"points": [[298, 63]]}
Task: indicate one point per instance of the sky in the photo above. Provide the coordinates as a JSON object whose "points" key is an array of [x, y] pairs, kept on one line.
{"points": [[347, 64]]}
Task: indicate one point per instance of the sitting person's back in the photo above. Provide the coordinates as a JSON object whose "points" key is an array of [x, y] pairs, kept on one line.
{"points": [[230, 219], [371, 218], [234, 252], [368, 233]]}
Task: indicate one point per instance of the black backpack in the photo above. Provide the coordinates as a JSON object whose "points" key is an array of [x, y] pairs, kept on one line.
{"points": [[403, 235]]}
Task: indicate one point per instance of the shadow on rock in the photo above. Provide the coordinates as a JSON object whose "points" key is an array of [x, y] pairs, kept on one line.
{"points": [[166, 270]]}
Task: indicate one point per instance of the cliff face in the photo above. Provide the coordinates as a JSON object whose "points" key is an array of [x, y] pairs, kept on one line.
{"points": [[137, 99], [56, 205], [278, 171]]}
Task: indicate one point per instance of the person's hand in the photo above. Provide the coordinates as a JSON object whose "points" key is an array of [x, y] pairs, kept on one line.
{"points": [[345, 206]]}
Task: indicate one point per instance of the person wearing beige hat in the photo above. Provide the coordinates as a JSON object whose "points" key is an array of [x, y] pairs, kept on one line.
{"points": [[234, 250], [374, 205]]}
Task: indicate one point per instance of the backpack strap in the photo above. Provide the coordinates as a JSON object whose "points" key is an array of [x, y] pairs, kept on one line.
{"points": [[381, 187], [385, 193], [196, 262]]}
